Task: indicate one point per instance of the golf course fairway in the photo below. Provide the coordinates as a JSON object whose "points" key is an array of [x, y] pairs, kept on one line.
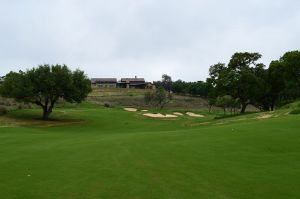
{"points": [[96, 152]]}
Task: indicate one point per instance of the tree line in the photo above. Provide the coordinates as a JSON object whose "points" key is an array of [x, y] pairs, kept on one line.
{"points": [[243, 81]]}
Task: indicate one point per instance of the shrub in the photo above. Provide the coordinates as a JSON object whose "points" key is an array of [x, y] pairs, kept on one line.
{"points": [[295, 112], [159, 98], [107, 105], [148, 97], [3, 110]]}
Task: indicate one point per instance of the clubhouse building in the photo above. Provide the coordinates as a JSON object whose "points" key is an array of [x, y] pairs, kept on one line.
{"points": [[123, 83]]}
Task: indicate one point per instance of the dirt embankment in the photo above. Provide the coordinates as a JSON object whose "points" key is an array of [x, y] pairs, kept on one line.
{"points": [[135, 98]]}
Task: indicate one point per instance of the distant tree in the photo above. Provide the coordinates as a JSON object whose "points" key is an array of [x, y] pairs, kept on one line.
{"points": [[212, 94], [167, 82], [219, 79], [238, 79], [225, 102], [263, 100], [283, 79], [149, 97], [45, 84], [249, 89], [157, 84], [180, 87], [199, 88], [244, 84], [162, 97], [158, 98], [234, 105], [291, 64], [211, 103]]}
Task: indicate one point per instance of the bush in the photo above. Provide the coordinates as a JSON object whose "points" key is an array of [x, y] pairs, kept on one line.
{"points": [[148, 97], [3, 110], [159, 98], [107, 105], [295, 112]]}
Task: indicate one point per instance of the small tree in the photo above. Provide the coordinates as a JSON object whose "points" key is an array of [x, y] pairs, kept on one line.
{"points": [[162, 98], [235, 104], [149, 97], [159, 98], [211, 103], [167, 82], [224, 102], [45, 84]]}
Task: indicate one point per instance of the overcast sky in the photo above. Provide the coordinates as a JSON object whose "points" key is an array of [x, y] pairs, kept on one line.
{"points": [[144, 38]]}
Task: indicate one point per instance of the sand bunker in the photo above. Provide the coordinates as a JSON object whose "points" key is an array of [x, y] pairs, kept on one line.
{"points": [[194, 114], [144, 110], [159, 115], [177, 113], [264, 116], [130, 109]]}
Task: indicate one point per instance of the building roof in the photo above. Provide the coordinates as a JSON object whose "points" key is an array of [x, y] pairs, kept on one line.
{"points": [[104, 80], [132, 79]]}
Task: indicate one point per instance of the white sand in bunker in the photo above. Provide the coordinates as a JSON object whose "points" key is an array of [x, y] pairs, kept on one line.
{"points": [[177, 113], [144, 110], [159, 115], [194, 114], [130, 109], [265, 116]]}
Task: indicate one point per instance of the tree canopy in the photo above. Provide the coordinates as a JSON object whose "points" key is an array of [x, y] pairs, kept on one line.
{"points": [[44, 86], [239, 79]]}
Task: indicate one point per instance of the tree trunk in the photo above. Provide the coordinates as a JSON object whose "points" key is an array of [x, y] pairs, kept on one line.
{"points": [[272, 104], [210, 108], [244, 106], [47, 110], [46, 114]]}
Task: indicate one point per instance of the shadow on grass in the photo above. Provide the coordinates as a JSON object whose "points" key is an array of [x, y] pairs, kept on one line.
{"points": [[33, 117]]}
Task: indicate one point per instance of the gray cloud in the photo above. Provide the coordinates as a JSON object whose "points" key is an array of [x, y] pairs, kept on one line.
{"points": [[144, 37]]}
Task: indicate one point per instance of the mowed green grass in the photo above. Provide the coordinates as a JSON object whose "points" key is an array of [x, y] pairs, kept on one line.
{"points": [[110, 153]]}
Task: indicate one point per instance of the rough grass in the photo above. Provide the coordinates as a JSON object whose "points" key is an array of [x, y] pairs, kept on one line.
{"points": [[117, 154]]}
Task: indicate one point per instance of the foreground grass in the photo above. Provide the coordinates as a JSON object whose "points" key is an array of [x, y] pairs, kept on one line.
{"points": [[109, 153]]}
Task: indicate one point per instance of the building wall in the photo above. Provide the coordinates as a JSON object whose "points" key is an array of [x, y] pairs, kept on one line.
{"points": [[111, 85]]}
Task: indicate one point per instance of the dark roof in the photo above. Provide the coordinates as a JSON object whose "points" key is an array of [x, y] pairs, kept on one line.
{"points": [[104, 80], [132, 80]]}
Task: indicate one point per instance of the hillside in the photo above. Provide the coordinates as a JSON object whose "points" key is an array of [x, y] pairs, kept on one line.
{"points": [[135, 98]]}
